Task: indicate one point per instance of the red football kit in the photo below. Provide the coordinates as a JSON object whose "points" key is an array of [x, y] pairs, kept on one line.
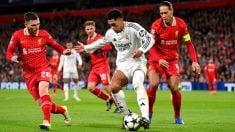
{"points": [[54, 61], [32, 50], [167, 41], [100, 71], [210, 73]]}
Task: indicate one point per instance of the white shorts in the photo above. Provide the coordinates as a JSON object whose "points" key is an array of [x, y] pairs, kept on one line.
{"points": [[70, 75], [129, 68]]}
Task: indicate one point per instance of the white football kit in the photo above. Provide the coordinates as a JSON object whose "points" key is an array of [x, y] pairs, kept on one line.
{"points": [[132, 37], [69, 64]]}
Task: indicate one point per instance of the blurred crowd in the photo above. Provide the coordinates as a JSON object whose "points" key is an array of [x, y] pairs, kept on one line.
{"points": [[212, 32]]}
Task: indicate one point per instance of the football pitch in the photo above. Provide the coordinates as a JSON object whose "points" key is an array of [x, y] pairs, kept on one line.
{"points": [[200, 111]]}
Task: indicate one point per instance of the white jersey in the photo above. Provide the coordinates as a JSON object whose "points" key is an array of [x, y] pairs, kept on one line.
{"points": [[69, 62], [132, 37]]}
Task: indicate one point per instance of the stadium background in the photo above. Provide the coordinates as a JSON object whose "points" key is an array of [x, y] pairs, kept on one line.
{"points": [[210, 23]]}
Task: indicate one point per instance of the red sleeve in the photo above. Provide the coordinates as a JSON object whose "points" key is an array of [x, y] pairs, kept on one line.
{"points": [[11, 46], [106, 47], [54, 44], [191, 51]]}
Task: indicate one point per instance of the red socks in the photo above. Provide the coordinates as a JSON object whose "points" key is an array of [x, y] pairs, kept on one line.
{"points": [[49, 107], [176, 101], [46, 107], [152, 97], [57, 109], [100, 94]]}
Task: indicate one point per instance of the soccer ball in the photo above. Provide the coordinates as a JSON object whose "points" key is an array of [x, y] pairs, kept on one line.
{"points": [[131, 122]]}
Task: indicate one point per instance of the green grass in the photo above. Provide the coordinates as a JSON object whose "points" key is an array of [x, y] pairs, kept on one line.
{"points": [[200, 111]]}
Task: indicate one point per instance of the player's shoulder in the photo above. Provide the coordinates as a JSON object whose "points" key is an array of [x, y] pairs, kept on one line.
{"points": [[180, 21], [133, 25], [19, 32], [99, 35], [43, 32], [109, 32], [157, 23]]}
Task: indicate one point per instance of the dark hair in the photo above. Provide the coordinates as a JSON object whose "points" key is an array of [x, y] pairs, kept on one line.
{"points": [[114, 14], [89, 23], [30, 16], [166, 3]]}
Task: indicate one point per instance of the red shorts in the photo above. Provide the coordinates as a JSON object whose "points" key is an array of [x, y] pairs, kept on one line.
{"points": [[172, 70], [100, 75], [33, 81]]}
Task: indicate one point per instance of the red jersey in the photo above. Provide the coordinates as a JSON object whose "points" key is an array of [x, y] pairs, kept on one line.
{"points": [[100, 59], [54, 61], [167, 39], [32, 50], [210, 71]]}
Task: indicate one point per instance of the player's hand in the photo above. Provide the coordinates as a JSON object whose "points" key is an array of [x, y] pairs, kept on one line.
{"points": [[67, 52], [196, 68], [163, 63], [15, 58], [137, 53], [80, 47]]}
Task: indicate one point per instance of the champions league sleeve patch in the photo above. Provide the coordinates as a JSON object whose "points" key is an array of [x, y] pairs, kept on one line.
{"points": [[142, 33]]}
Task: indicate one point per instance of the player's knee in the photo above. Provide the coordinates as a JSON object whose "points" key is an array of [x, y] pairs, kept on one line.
{"points": [[175, 90], [153, 85], [90, 88], [115, 88], [138, 85]]}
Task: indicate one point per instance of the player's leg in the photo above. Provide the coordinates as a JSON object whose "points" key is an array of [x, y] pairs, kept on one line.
{"points": [[93, 80], [66, 88], [173, 82], [48, 106], [96, 91], [214, 86], [142, 98], [119, 80], [104, 77], [45, 104], [110, 101], [76, 88], [53, 83], [154, 79]]}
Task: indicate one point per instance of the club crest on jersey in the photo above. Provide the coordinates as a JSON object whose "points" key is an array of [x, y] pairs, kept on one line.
{"points": [[176, 33], [39, 41]]}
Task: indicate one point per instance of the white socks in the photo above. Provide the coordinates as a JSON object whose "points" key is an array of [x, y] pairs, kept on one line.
{"points": [[121, 102], [66, 91], [142, 98]]}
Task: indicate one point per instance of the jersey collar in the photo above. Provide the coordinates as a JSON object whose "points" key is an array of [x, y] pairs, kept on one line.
{"points": [[173, 23], [26, 32]]}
